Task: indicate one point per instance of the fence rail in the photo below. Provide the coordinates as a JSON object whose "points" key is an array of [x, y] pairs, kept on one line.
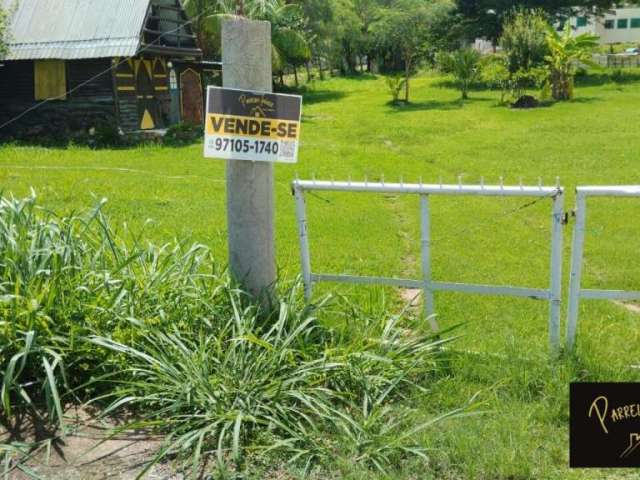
{"points": [[426, 283], [617, 60]]}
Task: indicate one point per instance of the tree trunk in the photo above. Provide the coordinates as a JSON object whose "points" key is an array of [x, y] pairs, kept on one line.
{"points": [[202, 42], [561, 87], [369, 63], [282, 78], [295, 75], [308, 65], [407, 74], [320, 69], [350, 61]]}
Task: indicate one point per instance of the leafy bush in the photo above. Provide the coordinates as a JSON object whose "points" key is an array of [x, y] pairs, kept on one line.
{"points": [[395, 84], [106, 134], [494, 72], [513, 85], [183, 134], [618, 75]]}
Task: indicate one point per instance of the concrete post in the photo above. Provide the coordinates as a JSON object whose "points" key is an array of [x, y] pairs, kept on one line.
{"points": [[246, 61]]}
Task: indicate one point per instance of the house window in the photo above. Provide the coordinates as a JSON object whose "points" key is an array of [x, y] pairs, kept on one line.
{"points": [[50, 80], [623, 22], [635, 23], [581, 22], [608, 24]]}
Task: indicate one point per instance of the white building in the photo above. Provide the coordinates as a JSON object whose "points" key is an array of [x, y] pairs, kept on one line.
{"points": [[621, 25]]}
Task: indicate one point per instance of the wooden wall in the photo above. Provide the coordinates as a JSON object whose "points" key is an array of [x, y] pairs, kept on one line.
{"points": [[16, 82], [111, 97], [89, 105]]}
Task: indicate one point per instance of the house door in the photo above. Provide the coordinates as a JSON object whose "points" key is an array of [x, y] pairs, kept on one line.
{"points": [[147, 105], [191, 92]]}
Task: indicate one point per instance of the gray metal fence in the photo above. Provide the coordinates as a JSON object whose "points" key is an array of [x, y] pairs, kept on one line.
{"points": [[618, 60], [577, 255], [426, 283]]}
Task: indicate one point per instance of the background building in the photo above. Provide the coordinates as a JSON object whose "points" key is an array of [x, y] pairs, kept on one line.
{"points": [[621, 25]]}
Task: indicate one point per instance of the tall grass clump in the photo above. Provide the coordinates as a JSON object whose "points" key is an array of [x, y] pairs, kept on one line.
{"points": [[62, 278], [248, 384], [158, 334]]}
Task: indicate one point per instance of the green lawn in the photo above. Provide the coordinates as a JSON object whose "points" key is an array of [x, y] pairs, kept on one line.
{"points": [[350, 129]]}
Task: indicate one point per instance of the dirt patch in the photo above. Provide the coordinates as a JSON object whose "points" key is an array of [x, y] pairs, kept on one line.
{"points": [[631, 307], [90, 452], [87, 455], [411, 296]]}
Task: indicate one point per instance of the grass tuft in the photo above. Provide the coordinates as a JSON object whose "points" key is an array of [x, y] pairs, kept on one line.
{"points": [[159, 334]]}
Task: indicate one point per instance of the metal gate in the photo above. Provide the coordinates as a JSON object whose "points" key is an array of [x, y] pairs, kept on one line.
{"points": [[426, 283], [577, 254]]}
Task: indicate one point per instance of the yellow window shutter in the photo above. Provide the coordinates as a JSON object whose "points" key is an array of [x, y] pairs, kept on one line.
{"points": [[50, 79]]}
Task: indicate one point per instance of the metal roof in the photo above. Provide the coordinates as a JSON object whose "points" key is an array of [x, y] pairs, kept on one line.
{"points": [[72, 29]]}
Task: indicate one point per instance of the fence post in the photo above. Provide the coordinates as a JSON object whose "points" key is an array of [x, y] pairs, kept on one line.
{"points": [[425, 223], [556, 270], [246, 59], [305, 258], [577, 252]]}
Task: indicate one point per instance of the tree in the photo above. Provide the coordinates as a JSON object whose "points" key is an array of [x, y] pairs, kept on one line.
{"points": [[291, 48], [348, 35], [407, 27], [485, 18], [4, 32], [367, 12], [199, 12], [289, 45], [565, 52], [524, 49], [464, 65], [524, 39], [321, 30]]}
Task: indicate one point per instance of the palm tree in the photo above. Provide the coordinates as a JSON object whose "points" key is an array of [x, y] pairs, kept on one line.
{"points": [[289, 45], [565, 53], [464, 65]]}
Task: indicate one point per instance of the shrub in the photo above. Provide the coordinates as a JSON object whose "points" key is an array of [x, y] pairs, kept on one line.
{"points": [[395, 84], [183, 134], [513, 85], [106, 135], [494, 72]]}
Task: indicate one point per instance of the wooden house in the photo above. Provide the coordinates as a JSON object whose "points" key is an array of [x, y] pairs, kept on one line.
{"points": [[133, 64]]}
